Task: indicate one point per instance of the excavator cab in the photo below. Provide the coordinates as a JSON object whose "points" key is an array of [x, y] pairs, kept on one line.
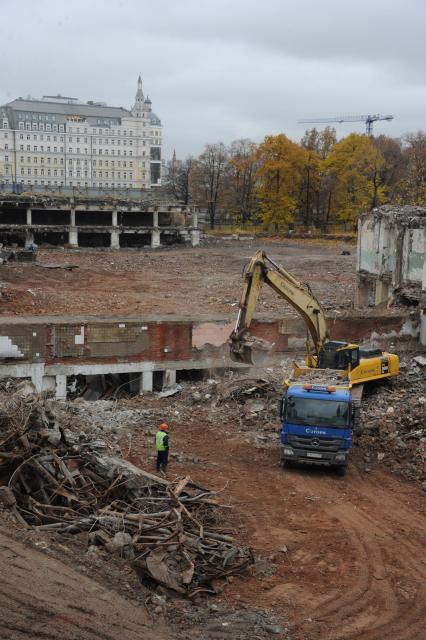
{"points": [[338, 355]]}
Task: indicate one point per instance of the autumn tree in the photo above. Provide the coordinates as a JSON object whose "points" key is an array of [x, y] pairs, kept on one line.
{"points": [[280, 175], [209, 178], [354, 171], [412, 185], [315, 192], [178, 180], [320, 142], [241, 177], [392, 169]]}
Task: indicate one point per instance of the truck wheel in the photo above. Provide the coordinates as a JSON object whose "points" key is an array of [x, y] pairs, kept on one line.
{"points": [[286, 464], [341, 470]]}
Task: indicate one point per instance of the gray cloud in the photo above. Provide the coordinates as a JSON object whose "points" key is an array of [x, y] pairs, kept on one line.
{"points": [[218, 70]]}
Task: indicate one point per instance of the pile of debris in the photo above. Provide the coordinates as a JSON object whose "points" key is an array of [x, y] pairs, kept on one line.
{"points": [[57, 480], [393, 421]]}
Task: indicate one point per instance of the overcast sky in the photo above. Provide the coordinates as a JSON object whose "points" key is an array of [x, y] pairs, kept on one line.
{"points": [[217, 70]]}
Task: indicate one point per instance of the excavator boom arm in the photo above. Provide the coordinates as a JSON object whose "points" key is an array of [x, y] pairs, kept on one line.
{"points": [[262, 270]]}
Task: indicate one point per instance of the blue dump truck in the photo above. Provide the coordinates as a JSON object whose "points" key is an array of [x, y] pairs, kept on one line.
{"points": [[317, 421]]}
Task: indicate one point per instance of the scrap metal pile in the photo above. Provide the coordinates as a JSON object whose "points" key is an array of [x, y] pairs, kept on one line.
{"points": [[57, 480]]}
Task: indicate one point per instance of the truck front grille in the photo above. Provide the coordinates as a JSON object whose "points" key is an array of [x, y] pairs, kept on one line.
{"points": [[316, 443]]}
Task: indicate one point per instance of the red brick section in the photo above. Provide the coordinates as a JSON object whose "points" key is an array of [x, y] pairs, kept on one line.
{"points": [[176, 338]]}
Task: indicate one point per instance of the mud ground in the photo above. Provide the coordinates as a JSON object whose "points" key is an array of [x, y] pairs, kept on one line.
{"points": [[337, 558], [179, 280]]}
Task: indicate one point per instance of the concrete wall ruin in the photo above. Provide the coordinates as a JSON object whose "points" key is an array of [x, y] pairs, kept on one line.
{"points": [[83, 221], [50, 349], [391, 252]]}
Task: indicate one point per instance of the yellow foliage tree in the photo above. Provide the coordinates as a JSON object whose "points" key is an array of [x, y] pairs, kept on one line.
{"points": [[280, 175], [412, 185], [354, 169]]}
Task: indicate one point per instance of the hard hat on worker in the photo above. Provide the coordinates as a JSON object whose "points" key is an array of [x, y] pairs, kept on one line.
{"points": [[164, 426]]}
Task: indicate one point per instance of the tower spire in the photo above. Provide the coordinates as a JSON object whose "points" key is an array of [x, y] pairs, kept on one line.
{"points": [[139, 92], [139, 99]]}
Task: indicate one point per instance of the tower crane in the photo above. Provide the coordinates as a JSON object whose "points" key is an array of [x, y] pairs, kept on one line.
{"points": [[367, 119]]}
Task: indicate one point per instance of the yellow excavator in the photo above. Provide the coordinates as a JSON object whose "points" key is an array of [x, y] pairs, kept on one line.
{"points": [[357, 364]]}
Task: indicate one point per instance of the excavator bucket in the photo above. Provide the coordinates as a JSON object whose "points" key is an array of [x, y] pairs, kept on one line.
{"points": [[247, 349]]}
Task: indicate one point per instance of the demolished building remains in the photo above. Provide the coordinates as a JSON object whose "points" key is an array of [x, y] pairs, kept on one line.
{"points": [[391, 258], [104, 221]]}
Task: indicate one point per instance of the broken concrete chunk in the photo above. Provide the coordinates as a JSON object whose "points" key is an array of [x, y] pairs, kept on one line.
{"points": [[420, 360]]}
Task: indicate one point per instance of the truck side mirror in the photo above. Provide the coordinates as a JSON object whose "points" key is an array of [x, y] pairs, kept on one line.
{"points": [[280, 407]]}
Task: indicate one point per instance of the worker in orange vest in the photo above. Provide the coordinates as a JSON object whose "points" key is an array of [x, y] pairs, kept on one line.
{"points": [[162, 446]]}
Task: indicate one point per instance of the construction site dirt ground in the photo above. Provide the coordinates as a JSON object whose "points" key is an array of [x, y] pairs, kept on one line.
{"points": [[336, 558], [178, 280]]}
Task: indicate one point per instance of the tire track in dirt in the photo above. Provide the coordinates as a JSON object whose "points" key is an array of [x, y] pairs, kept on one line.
{"points": [[389, 541]]}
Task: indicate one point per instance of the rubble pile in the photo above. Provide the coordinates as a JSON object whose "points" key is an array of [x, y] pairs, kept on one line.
{"points": [[393, 421], [58, 480], [106, 416]]}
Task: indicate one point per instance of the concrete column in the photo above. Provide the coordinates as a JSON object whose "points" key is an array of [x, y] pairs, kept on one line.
{"points": [[423, 326], [362, 293], [29, 238], [155, 238], [37, 373], [382, 292], [155, 219], [169, 377], [73, 238], [115, 239], [115, 218], [195, 237], [195, 218], [49, 383], [61, 387], [146, 382], [72, 217], [29, 216]]}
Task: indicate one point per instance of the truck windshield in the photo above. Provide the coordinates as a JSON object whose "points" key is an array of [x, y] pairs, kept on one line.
{"points": [[311, 411]]}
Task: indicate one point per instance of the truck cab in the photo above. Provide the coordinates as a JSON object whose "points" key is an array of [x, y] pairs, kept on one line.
{"points": [[316, 425]]}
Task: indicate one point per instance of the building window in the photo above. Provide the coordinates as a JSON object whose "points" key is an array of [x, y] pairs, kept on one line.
{"points": [[22, 125]]}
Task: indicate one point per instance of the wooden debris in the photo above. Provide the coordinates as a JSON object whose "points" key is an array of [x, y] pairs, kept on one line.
{"points": [[171, 531]]}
